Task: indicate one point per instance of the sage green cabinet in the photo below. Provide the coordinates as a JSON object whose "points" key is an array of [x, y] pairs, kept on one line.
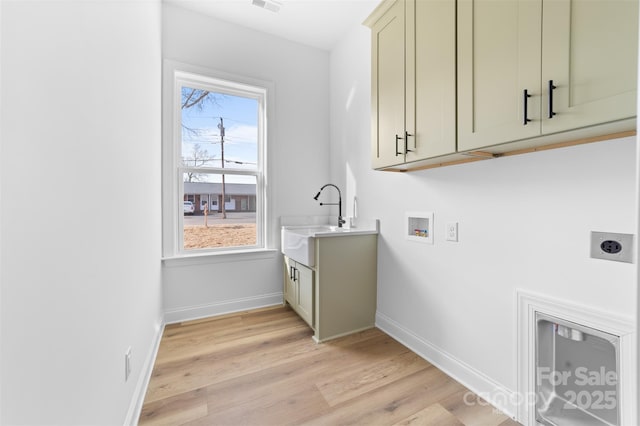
{"points": [[497, 61], [299, 289], [388, 91], [306, 293], [413, 81], [590, 52], [338, 295], [529, 68], [290, 287]]}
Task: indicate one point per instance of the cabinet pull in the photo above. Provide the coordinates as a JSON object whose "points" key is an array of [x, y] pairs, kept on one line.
{"points": [[397, 139], [406, 142], [551, 87], [296, 274], [292, 275], [526, 96]]}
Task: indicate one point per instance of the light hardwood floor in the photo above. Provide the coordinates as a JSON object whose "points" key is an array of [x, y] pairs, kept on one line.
{"points": [[263, 368]]}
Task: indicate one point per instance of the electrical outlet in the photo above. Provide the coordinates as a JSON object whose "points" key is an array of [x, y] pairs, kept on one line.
{"points": [[451, 231], [127, 364], [611, 246]]}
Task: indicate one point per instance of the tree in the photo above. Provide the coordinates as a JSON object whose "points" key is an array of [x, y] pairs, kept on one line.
{"points": [[196, 98], [198, 157], [192, 97]]}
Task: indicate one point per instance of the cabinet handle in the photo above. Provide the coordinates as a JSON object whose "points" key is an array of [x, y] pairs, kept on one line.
{"points": [[397, 139], [551, 87], [292, 275], [296, 277], [526, 97], [406, 142]]}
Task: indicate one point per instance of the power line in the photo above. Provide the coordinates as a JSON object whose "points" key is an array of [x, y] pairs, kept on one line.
{"points": [[214, 118], [205, 160]]}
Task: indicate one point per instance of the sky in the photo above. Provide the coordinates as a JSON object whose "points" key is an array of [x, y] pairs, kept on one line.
{"points": [[240, 118]]}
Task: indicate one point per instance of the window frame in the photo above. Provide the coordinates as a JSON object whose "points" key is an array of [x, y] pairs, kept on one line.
{"points": [[175, 76]]}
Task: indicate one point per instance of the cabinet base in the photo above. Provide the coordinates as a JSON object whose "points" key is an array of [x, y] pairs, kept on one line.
{"points": [[327, 338], [506, 150]]}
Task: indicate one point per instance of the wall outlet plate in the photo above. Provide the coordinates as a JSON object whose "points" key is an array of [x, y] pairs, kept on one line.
{"points": [[612, 246], [451, 231]]}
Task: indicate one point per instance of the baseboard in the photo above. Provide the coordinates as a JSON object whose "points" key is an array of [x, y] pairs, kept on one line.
{"points": [[135, 407], [479, 383], [223, 307]]}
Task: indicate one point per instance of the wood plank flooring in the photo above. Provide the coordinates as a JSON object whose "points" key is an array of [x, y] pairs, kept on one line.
{"points": [[263, 368]]}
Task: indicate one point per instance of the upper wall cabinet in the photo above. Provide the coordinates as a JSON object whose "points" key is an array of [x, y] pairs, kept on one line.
{"points": [[589, 61], [529, 68], [497, 63], [388, 87], [413, 81]]}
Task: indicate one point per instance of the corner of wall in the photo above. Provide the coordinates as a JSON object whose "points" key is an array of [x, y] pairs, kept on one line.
{"points": [[137, 400], [480, 384]]}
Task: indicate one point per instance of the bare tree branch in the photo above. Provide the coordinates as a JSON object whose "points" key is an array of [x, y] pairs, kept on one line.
{"points": [[191, 131], [200, 96], [199, 157]]}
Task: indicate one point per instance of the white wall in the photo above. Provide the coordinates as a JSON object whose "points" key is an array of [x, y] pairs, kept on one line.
{"points": [[298, 154], [1, 257], [80, 273], [637, 251], [80, 222], [524, 222]]}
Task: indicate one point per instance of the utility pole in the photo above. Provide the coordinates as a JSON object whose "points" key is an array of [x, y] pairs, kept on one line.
{"points": [[221, 127]]}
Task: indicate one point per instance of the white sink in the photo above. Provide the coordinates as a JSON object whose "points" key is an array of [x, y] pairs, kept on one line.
{"points": [[298, 242]]}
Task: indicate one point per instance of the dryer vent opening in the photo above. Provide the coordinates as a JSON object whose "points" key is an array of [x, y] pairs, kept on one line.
{"points": [[576, 374]]}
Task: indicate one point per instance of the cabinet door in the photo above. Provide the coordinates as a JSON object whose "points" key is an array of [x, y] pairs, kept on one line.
{"points": [[498, 58], [431, 78], [290, 290], [590, 51], [304, 280], [388, 87]]}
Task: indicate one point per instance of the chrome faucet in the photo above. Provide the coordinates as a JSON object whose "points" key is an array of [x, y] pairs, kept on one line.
{"points": [[339, 203]]}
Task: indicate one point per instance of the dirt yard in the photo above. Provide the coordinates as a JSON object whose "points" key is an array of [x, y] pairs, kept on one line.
{"points": [[228, 235]]}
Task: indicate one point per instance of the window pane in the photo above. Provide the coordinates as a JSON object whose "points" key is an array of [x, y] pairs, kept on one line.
{"points": [[210, 223], [218, 130]]}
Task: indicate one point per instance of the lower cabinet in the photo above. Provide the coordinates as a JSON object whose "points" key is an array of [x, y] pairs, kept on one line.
{"points": [[306, 286], [299, 289], [338, 295]]}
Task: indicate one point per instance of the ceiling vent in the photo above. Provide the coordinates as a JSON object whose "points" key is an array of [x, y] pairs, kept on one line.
{"points": [[272, 5]]}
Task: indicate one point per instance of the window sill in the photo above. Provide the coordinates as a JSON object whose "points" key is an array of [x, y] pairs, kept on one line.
{"points": [[219, 257]]}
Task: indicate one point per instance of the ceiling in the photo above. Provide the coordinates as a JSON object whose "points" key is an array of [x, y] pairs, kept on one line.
{"points": [[317, 23]]}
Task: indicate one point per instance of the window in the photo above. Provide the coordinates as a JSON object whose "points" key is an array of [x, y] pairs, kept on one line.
{"points": [[214, 156]]}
